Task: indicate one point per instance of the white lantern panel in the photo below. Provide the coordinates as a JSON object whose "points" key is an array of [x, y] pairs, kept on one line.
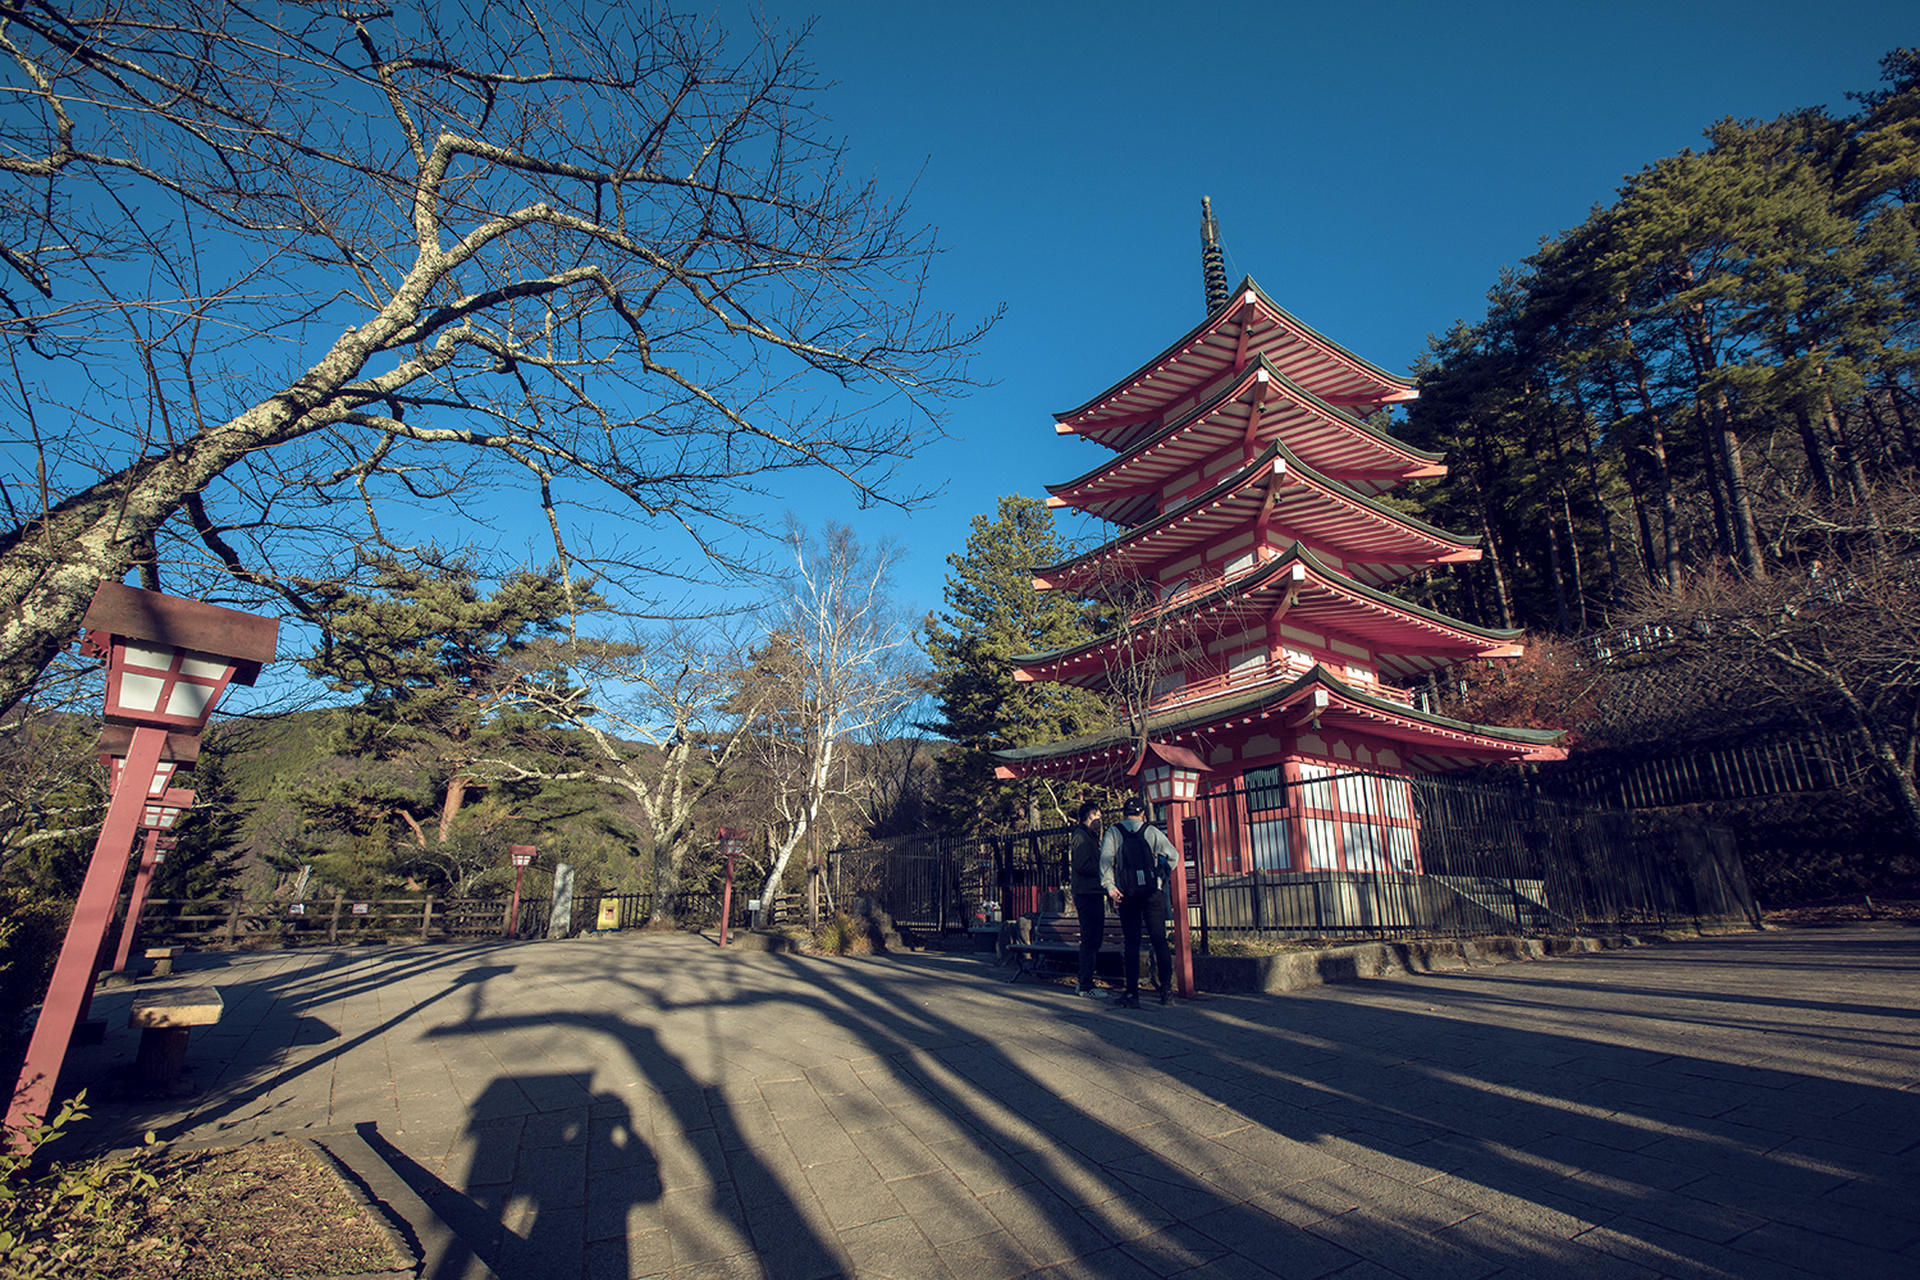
{"points": [[151, 659], [140, 693], [190, 700], [203, 667]]}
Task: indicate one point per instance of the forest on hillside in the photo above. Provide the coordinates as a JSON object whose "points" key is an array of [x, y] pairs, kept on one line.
{"points": [[1716, 370]]}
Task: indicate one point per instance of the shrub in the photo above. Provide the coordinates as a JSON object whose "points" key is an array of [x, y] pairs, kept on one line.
{"points": [[844, 935]]}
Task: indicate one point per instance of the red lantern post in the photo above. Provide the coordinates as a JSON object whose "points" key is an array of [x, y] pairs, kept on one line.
{"points": [[733, 841], [168, 663], [176, 805], [522, 857], [1170, 776], [167, 807]]}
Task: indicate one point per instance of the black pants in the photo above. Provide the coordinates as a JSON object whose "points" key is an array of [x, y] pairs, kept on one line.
{"points": [[1092, 908], [1152, 908]]}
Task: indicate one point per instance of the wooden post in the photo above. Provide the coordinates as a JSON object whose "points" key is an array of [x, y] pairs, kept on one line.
{"points": [[333, 924], [233, 921], [73, 972], [813, 877], [1182, 929], [137, 903], [426, 918]]}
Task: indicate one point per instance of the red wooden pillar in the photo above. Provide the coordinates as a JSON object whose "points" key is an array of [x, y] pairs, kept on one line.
{"points": [[142, 885], [92, 914], [1182, 927]]}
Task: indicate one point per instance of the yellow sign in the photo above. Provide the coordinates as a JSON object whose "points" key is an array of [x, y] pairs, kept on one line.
{"points": [[609, 913]]}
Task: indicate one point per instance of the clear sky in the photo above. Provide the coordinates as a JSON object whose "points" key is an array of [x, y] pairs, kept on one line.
{"points": [[1372, 165]]}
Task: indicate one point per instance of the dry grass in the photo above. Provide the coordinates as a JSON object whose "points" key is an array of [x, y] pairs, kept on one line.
{"points": [[267, 1211]]}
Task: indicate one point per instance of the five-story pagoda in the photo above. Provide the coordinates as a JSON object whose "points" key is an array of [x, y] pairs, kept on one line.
{"points": [[1256, 635]]}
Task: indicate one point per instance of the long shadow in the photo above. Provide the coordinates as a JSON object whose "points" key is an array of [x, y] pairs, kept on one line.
{"points": [[1518, 1136], [248, 1075], [1274, 1135]]}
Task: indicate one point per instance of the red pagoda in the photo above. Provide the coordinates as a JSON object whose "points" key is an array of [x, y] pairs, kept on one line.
{"points": [[1252, 570]]}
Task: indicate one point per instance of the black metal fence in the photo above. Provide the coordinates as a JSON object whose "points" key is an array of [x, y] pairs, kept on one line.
{"points": [[1353, 855]]}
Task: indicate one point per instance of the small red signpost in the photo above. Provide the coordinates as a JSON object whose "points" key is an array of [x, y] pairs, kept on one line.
{"points": [[733, 842], [168, 663], [522, 858]]}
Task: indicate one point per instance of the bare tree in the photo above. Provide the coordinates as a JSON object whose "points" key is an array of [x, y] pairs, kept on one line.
{"points": [[838, 660], [279, 280], [1835, 644], [664, 719], [49, 770]]}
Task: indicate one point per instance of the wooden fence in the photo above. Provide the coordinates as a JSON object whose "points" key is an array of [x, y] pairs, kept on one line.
{"points": [[335, 921], [343, 921]]}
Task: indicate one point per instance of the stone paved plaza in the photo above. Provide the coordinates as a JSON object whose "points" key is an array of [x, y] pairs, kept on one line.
{"points": [[645, 1104]]}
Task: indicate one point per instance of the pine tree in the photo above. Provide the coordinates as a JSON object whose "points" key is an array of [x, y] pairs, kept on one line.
{"points": [[428, 650], [994, 613]]}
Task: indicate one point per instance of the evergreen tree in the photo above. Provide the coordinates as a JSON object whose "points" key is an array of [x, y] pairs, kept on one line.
{"points": [[993, 614], [429, 651], [209, 852]]}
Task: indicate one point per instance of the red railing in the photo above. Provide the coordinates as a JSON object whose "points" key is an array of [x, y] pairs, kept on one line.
{"points": [[1268, 671]]}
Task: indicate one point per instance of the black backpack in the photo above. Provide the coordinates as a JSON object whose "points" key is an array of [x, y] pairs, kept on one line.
{"points": [[1135, 869]]}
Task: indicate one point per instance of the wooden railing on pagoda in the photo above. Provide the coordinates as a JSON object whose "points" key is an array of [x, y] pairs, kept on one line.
{"points": [[1266, 671]]}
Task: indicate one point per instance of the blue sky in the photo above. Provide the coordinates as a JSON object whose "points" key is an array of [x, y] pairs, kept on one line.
{"points": [[1372, 165]]}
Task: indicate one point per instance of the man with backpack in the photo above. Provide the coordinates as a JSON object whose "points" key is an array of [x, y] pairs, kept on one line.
{"points": [[1133, 859]]}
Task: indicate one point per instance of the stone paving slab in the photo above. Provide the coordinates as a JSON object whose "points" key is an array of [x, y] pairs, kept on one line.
{"points": [[649, 1105]]}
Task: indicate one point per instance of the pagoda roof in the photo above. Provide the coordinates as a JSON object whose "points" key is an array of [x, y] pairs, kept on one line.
{"points": [[1274, 489], [1260, 406], [1249, 324], [1408, 640], [1429, 743]]}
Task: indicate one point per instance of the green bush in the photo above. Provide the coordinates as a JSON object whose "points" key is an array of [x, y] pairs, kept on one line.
{"points": [[53, 1220]]}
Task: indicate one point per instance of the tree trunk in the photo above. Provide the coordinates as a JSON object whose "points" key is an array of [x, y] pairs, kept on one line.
{"points": [[1562, 622], [1816, 453], [1746, 534], [1493, 554], [1657, 454]]}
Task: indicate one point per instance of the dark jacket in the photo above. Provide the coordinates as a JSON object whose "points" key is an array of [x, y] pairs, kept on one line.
{"points": [[1083, 862]]}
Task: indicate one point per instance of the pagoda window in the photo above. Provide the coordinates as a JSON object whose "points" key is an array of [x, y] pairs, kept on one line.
{"points": [[1267, 820], [1357, 822]]}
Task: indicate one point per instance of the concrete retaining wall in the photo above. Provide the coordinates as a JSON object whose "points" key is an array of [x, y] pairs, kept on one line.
{"points": [[1296, 969]]}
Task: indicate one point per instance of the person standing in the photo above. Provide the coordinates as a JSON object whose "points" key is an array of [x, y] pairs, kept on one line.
{"points": [[1131, 855], [1089, 899]]}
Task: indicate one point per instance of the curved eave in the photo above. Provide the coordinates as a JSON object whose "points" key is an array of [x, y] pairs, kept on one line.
{"points": [[1249, 323], [1261, 406], [1317, 701], [1407, 639], [1305, 505]]}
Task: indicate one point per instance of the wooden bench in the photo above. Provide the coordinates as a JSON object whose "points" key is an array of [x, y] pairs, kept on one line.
{"points": [[165, 1019], [163, 958], [1055, 945]]}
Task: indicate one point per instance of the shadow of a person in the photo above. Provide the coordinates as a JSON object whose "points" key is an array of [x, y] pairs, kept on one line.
{"points": [[556, 1167]]}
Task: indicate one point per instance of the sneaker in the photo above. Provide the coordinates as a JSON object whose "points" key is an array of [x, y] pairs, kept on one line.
{"points": [[1127, 1002], [1091, 993], [1166, 995]]}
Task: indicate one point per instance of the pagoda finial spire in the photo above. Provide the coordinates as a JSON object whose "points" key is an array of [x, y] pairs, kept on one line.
{"points": [[1212, 269]]}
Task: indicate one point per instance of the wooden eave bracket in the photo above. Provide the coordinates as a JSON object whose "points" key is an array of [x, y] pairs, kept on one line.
{"points": [[1311, 712]]}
